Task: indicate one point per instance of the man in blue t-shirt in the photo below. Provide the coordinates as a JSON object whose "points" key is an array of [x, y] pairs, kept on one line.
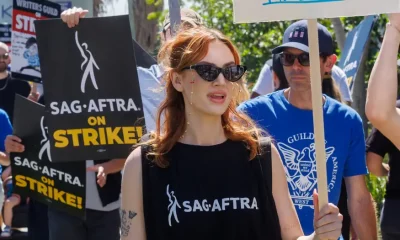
{"points": [[5, 129], [287, 116]]}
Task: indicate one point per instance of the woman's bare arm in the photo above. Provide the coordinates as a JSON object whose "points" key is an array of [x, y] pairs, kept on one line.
{"points": [[289, 222], [132, 218], [382, 87]]}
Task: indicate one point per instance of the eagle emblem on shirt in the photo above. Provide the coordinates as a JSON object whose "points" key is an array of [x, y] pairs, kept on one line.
{"points": [[300, 166]]}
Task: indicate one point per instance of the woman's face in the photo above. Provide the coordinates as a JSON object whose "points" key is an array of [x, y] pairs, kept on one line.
{"points": [[201, 96]]}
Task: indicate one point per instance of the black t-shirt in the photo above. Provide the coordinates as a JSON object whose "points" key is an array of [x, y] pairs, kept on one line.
{"points": [[9, 87], [379, 144], [207, 192]]}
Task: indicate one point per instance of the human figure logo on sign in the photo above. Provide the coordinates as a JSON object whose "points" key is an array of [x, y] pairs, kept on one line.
{"points": [[45, 141], [89, 71]]}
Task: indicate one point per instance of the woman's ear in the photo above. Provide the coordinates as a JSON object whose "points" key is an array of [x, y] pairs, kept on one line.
{"points": [[177, 81]]}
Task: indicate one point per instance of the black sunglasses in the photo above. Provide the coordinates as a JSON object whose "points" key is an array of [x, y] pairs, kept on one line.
{"points": [[210, 72], [287, 59]]}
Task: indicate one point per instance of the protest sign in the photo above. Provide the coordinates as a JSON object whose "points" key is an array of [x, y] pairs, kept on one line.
{"points": [[25, 59], [64, 5], [280, 10], [58, 185], [354, 48], [91, 87], [5, 33], [143, 59]]}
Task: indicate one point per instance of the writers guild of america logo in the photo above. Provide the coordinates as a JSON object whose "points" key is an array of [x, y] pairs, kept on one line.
{"points": [[88, 59], [45, 141], [301, 172]]}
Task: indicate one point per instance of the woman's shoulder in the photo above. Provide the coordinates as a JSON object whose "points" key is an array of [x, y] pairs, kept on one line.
{"points": [[133, 161]]}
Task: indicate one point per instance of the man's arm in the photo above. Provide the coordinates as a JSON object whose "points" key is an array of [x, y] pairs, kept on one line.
{"points": [[5, 130], [113, 166], [361, 208], [103, 169], [359, 199], [382, 87]]}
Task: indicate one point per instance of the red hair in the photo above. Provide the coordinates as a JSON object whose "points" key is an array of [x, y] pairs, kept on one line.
{"points": [[188, 48]]}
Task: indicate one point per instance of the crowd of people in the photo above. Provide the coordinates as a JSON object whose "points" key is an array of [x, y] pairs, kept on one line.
{"points": [[221, 164]]}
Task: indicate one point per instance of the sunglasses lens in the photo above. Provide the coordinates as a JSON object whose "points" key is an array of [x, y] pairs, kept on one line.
{"points": [[287, 59], [234, 73], [304, 59], [4, 56], [207, 72]]}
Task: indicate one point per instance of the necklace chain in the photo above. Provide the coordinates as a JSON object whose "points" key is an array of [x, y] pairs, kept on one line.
{"points": [[5, 85]]}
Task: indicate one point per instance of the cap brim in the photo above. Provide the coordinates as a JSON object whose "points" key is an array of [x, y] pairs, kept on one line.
{"points": [[297, 45]]}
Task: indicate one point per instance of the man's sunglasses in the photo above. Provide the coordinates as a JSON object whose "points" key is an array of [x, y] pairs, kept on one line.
{"points": [[288, 59], [4, 56], [210, 72]]}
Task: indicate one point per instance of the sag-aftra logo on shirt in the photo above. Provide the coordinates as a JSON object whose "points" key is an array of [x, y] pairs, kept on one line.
{"points": [[204, 205]]}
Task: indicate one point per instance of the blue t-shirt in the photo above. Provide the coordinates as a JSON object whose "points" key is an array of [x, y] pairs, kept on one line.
{"points": [[5, 130], [293, 133]]}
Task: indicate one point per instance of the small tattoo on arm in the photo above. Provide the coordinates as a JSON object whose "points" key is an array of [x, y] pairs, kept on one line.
{"points": [[126, 221]]}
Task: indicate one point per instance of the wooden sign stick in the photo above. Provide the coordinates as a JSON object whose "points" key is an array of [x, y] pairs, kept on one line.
{"points": [[175, 16], [318, 117]]}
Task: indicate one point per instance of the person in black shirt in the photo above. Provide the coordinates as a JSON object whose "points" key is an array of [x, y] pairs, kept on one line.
{"points": [[377, 147], [9, 87], [193, 178]]}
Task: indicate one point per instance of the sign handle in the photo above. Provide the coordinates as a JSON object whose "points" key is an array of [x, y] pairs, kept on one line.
{"points": [[318, 117], [175, 15]]}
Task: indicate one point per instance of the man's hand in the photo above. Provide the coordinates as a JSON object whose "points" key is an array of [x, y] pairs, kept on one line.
{"points": [[4, 159], [34, 96], [13, 144], [328, 221], [71, 16], [101, 174]]}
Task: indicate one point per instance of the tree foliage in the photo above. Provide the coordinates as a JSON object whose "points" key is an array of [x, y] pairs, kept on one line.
{"points": [[256, 40]]}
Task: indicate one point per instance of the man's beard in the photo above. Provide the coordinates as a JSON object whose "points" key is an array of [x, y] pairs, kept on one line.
{"points": [[3, 67]]}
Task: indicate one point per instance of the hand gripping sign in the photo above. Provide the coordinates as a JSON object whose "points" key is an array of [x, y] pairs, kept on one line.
{"points": [[248, 11]]}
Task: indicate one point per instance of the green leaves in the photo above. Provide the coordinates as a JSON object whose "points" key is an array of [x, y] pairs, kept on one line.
{"points": [[152, 16], [149, 2]]}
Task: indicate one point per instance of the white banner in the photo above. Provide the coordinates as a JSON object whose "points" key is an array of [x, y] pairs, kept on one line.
{"points": [[246, 11]]}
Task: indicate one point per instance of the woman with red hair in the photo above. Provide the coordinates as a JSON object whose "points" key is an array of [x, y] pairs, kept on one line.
{"points": [[206, 172]]}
